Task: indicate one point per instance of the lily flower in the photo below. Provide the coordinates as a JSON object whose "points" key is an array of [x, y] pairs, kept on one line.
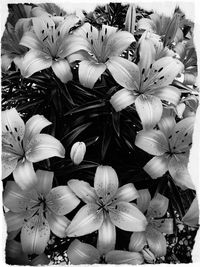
{"points": [[145, 86], [191, 217], [38, 211], [23, 145], [47, 43], [82, 253], [170, 145], [152, 237], [94, 47], [106, 206]]}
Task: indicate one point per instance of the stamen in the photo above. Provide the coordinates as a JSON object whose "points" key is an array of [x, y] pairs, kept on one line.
{"points": [[52, 39], [150, 66], [91, 42], [106, 30], [45, 38], [102, 38], [145, 79], [18, 138]]}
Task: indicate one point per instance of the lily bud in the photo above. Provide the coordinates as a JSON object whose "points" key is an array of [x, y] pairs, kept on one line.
{"points": [[78, 152], [148, 255], [130, 19], [122, 99], [172, 29]]}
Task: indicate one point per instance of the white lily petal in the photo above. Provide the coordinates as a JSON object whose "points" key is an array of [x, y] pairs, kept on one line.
{"points": [[35, 61], [127, 217], [168, 93], [157, 166], [14, 221], [158, 206], [149, 109], [31, 41], [105, 182], [34, 235], [124, 257], [82, 253], [87, 220], [83, 190], [124, 72], [156, 241], [179, 172], [24, 175], [122, 99], [77, 152], [62, 70], [163, 225], [191, 217], [69, 22], [127, 193], [106, 236], [9, 163], [153, 142], [89, 72], [14, 198], [57, 224], [166, 125], [44, 146], [34, 126], [143, 200], [137, 241], [61, 200], [45, 181]]}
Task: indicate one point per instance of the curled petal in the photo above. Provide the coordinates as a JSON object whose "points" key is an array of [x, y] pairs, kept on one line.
{"points": [[25, 175], [62, 70], [156, 241], [149, 109], [14, 220], [158, 206], [44, 146], [82, 253], [166, 125], [61, 200], [34, 235], [191, 217], [89, 72], [153, 142], [124, 257], [127, 193], [106, 236], [57, 224], [137, 241], [87, 220], [163, 225], [83, 190], [122, 99], [143, 200], [127, 217], [157, 166], [45, 180], [105, 182]]}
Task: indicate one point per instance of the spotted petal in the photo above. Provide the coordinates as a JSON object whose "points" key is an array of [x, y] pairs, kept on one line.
{"points": [[61, 200], [158, 206], [124, 257], [34, 235], [156, 241], [57, 224], [157, 166], [127, 217], [168, 93], [163, 225], [9, 163], [87, 220], [62, 70]]}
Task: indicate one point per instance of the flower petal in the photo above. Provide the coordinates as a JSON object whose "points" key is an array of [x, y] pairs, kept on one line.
{"points": [[34, 235], [57, 224], [87, 220], [157, 166], [61, 200], [168, 93], [127, 193], [77, 152], [106, 236], [123, 257], [105, 182], [24, 175], [69, 22], [179, 172], [62, 70], [14, 220], [34, 126], [83, 190], [14, 254], [89, 72], [191, 217], [163, 225], [45, 180], [166, 125], [122, 99], [9, 163], [149, 109], [143, 200], [153, 142], [156, 241], [30, 40], [127, 217], [42, 259], [35, 61], [82, 253], [14, 198], [44, 146], [124, 72], [158, 206], [137, 241]]}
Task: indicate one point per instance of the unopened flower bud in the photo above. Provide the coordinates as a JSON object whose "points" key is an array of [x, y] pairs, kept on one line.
{"points": [[148, 255], [78, 152], [130, 19]]}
